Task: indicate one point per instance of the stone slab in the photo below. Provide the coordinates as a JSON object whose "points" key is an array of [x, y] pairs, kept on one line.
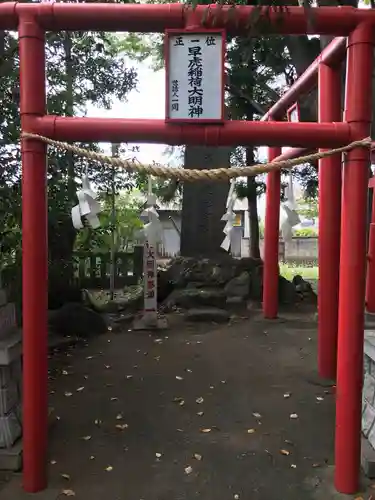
{"points": [[143, 323], [8, 320], [11, 458], [210, 314], [10, 348]]}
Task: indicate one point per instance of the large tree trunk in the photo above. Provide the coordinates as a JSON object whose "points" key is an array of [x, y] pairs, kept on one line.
{"points": [[252, 202], [203, 204], [61, 233]]}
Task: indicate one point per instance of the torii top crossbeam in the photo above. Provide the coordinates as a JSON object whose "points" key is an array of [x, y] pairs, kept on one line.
{"points": [[339, 21]]}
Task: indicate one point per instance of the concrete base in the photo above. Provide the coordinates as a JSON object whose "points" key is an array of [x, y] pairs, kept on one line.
{"points": [[11, 458], [11, 348], [14, 491], [147, 323]]}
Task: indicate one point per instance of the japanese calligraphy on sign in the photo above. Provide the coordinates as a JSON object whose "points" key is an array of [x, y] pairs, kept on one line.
{"points": [[195, 76], [149, 272]]}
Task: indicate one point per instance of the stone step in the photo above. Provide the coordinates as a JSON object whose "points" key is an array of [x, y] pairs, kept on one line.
{"points": [[9, 398], [10, 348], [8, 321], [9, 373], [10, 428]]}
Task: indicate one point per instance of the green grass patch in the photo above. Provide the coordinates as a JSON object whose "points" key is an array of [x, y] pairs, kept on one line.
{"points": [[289, 270]]}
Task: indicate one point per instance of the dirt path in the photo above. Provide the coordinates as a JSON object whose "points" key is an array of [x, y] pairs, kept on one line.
{"points": [[210, 412]]}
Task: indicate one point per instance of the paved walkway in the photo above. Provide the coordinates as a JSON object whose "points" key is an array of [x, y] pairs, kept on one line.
{"points": [[208, 412]]}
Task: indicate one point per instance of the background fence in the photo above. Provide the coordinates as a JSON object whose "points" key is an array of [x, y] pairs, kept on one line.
{"points": [[93, 270]]}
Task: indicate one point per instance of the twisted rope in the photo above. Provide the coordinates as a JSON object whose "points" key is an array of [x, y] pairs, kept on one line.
{"points": [[191, 175]]}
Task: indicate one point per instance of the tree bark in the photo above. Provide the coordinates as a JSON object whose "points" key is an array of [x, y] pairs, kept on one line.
{"points": [[252, 202]]}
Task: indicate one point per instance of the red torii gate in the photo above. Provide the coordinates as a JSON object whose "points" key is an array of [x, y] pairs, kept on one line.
{"points": [[339, 255]]}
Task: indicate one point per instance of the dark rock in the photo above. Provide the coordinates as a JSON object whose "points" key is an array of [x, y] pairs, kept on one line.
{"points": [[211, 314], [287, 292], [74, 319], [238, 286], [59, 295], [193, 297], [301, 285], [256, 284]]}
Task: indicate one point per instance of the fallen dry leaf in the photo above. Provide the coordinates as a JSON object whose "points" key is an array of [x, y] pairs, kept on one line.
{"points": [[109, 468], [107, 367], [65, 476], [121, 427], [197, 456], [285, 452], [205, 431], [188, 470], [68, 493], [200, 413], [250, 431], [199, 400], [179, 401]]}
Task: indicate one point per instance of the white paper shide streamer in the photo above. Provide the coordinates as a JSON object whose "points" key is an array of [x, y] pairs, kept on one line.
{"points": [[288, 214], [229, 218], [152, 230], [88, 207]]}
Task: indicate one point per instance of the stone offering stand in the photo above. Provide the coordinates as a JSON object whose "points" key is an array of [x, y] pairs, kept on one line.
{"points": [[10, 386]]}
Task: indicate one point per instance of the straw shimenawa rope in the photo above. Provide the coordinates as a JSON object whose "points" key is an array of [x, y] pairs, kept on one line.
{"points": [[191, 175]]}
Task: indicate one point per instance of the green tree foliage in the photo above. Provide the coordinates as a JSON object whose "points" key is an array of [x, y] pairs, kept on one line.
{"points": [[82, 68], [125, 225]]}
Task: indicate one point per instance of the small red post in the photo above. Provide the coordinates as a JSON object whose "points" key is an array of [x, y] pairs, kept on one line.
{"points": [[329, 227], [35, 250], [271, 241], [370, 278], [358, 106]]}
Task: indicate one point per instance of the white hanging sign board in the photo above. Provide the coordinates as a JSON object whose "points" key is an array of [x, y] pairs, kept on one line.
{"points": [[194, 64]]}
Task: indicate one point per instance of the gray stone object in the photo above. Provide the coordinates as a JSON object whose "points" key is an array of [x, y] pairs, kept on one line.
{"points": [[239, 286], [211, 314]]}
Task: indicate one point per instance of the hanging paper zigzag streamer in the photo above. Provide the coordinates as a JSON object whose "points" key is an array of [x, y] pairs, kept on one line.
{"points": [[288, 214], [152, 230], [87, 207], [229, 218]]}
